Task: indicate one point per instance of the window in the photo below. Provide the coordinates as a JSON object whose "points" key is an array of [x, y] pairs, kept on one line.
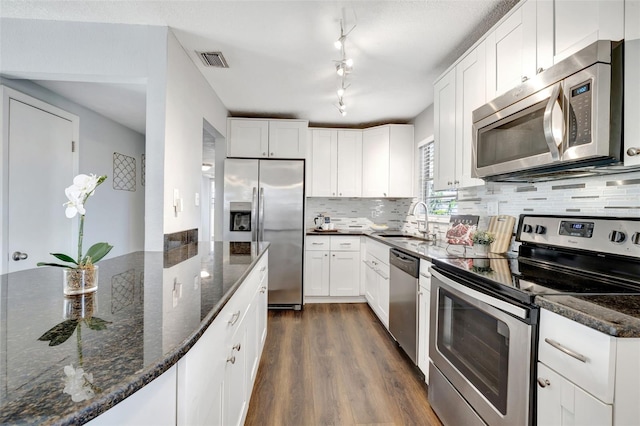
{"points": [[441, 203]]}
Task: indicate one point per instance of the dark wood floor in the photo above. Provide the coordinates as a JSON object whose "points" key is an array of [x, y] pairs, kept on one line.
{"points": [[335, 364]]}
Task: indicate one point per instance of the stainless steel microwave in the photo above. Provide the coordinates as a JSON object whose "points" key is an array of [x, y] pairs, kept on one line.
{"points": [[566, 121]]}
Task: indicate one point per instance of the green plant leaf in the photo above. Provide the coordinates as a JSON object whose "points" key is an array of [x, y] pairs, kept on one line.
{"points": [[53, 264], [64, 258], [97, 252], [59, 333], [97, 323]]}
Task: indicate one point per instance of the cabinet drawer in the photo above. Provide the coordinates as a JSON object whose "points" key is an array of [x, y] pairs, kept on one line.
{"points": [[425, 275], [581, 354], [345, 243], [379, 250], [318, 243]]}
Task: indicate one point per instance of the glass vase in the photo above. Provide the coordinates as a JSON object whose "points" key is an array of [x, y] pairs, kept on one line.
{"points": [[481, 249], [80, 281]]}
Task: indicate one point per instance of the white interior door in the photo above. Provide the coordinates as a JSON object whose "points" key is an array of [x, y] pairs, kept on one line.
{"points": [[41, 166]]}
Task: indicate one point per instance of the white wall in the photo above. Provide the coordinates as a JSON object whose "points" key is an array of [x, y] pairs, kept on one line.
{"points": [[178, 98], [423, 124], [113, 216], [190, 100]]}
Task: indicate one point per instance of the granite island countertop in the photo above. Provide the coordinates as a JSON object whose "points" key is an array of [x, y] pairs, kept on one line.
{"points": [[146, 314]]}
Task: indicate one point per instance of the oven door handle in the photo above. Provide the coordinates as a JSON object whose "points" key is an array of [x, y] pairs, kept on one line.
{"points": [[547, 123], [482, 297]]}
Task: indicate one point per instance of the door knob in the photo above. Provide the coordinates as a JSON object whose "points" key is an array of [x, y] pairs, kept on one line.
{"points": [[19, 256], [633, 151]]}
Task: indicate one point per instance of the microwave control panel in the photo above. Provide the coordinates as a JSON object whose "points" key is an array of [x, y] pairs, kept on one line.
{"points": [[580, 106]]}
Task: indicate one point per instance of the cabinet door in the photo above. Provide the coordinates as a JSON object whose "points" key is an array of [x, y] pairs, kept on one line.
{"points": [[248, 138], [345, 273], [402, 148], [349, 163], [235, 378], [444, 122], [560, 402], [511, 51], [287, 138], [324, 163], [578, 23], [153, 405], [316, 273], [371, 283], [423, 318], [470, 94], [632, 84], [383, 293], [375, 162]]}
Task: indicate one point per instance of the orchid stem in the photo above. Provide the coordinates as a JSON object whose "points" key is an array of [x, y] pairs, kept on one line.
{"points": [[80, 235], [79, 337]]}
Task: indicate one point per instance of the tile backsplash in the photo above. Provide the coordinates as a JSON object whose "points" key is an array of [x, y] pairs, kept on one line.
{"points": [[609, 195]]}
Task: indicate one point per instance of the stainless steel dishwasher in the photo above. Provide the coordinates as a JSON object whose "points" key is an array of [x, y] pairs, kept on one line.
{"points": [[403, 295]]}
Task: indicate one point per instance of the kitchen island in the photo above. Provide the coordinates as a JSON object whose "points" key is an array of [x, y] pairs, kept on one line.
{"points": [[148, 312]]}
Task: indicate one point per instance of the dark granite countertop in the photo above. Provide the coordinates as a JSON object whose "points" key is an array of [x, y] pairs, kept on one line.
{"points": [[141, 320], [617, 316]]}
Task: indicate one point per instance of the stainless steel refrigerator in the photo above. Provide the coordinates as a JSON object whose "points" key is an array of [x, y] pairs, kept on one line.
{"points": [[264, 201]]}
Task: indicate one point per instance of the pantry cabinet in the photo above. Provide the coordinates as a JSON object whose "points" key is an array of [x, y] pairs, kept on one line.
{"points": [[335, 166], [332, 266], [388, 161], [262, 138]]}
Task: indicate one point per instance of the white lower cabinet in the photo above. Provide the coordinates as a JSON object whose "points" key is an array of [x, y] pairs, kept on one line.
{"points": [[154, 404], [332, 266], [215, 378], [424, 294], [560, 402], [377, 287], [585, 377]]}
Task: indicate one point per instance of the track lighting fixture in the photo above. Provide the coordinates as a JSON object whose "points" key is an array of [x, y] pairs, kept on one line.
{"points": [[344, 66]]}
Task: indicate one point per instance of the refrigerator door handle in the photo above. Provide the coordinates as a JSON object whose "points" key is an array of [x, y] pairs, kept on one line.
{"points": [[254, 221], [261, 215]]}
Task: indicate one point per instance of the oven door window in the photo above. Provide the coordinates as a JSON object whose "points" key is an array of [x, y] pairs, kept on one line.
{"points": [[477, 344]]}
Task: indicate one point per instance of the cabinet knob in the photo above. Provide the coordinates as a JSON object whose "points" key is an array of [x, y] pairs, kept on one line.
{"points": [[449, 182], [456, 182], [631, 152], [341, 194], [272, 154], [539, 70], [19, 256], [326, 255], [237, 347], [524, 78], [384, 193], [231, 359], [543, 383], [333, 255], [264, 154], [333, 193]]}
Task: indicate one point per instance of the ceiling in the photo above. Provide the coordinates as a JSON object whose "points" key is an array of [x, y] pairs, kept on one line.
{"points": [[281, 54]]}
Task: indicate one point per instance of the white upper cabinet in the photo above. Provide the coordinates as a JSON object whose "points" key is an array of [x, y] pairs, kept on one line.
{"points": [[323, 163], [401, 160], [632, 84], [470, 79], [387, 161], [375, 162], [259, 138], [444, 123], [349, 170], [511, 50], [335, 163], [578, 23]]}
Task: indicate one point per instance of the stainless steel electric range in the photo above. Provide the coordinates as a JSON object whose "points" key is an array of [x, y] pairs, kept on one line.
{"points": [[484, 316]]}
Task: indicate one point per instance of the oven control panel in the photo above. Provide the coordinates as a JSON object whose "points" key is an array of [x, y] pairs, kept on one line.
{"points": [[600, 234]]}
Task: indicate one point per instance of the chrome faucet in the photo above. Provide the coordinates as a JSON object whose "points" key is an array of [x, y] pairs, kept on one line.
{"points": [[425, 231]]}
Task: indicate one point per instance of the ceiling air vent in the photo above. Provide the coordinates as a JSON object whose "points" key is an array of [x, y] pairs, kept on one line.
{"points": [[213, 59]]}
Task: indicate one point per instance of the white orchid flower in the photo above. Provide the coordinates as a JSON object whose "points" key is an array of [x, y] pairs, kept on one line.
{"points": [[75, 204], [86, 183], [78, 384]]}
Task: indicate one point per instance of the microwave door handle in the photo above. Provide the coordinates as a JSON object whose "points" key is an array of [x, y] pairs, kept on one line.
{"points": [[254, 221], [547, 123]]}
